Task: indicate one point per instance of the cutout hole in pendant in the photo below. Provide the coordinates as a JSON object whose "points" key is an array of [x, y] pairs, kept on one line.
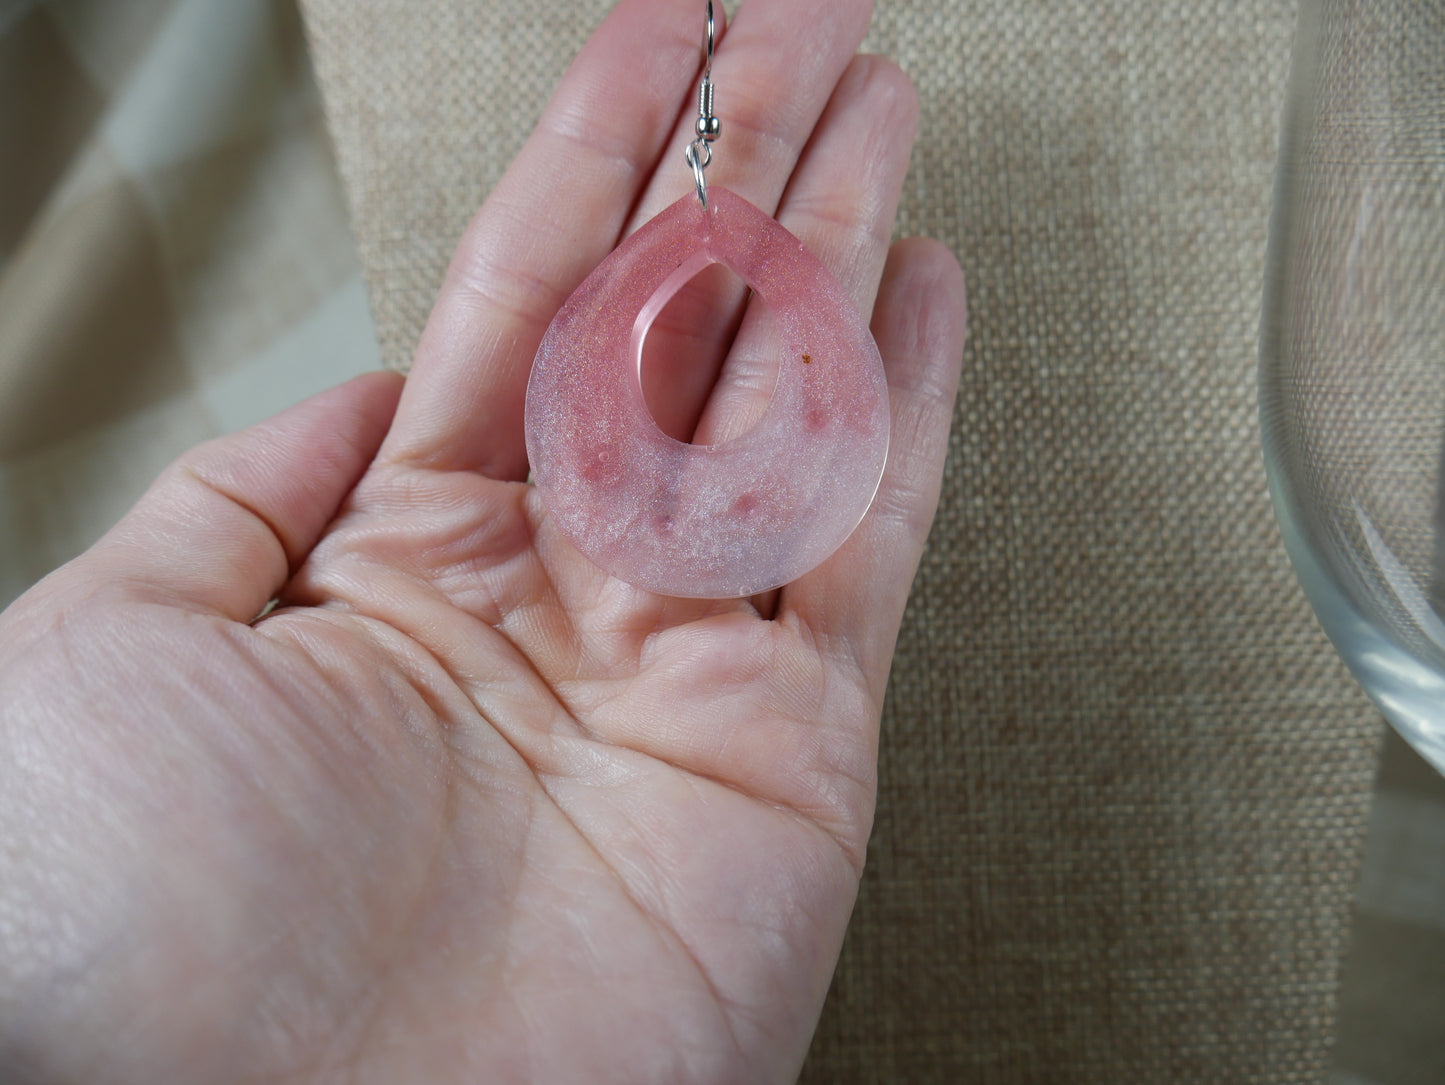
{"points": [[708, 361]]}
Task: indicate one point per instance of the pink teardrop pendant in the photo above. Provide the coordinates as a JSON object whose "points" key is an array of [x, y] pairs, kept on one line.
{"points": [[707, 521]]}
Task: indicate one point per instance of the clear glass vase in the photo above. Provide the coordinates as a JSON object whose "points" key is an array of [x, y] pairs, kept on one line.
{"points": [[1352, 365]]}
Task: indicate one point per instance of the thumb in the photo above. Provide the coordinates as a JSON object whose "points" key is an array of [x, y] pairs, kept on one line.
{"points": [[225, 525]]}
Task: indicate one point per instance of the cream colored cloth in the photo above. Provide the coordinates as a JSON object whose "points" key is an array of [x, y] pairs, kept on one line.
{"points": [[1391, 1024], [174, 257]]}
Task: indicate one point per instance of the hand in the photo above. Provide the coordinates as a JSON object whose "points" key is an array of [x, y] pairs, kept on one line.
{"points": [[463, 808]]}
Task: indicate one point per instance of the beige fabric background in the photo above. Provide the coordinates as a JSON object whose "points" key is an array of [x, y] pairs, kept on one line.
{"points": [[1124, 780], [1124, 777], [1390, 1028]]}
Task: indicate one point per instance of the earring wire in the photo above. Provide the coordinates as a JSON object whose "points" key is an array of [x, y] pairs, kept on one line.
{"points": [[698, 153]]}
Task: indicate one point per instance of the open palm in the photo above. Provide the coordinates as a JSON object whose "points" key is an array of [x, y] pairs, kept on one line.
{"points": [[462, 807]]}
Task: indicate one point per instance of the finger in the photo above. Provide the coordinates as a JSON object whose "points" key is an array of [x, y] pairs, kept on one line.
{"points": [[558, 210], [774, 74], [224, 526], [770, 96], [854, 601], [685, 346], [841, 204]]}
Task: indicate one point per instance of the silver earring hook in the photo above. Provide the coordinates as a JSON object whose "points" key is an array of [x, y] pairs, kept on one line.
{"points": [[699, 152], [711, 38]]}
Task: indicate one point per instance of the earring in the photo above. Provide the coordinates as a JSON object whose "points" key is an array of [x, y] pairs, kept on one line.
{"points": [[707, 521]]}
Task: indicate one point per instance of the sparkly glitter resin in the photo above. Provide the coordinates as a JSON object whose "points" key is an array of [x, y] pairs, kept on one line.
{"points": [[711, 521]]}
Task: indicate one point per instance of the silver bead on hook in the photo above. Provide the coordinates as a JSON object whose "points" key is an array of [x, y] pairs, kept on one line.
{"points": [[699, 152]]}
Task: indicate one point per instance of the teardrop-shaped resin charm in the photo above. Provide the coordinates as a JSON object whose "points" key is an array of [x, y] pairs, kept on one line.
{"points": [[710, 521]]}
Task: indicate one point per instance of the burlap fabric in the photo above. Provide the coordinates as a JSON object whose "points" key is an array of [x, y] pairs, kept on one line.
{"points": [[1123, 778]]}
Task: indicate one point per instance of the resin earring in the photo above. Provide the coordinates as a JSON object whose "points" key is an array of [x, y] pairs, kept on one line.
{"points": [[710, 521]]}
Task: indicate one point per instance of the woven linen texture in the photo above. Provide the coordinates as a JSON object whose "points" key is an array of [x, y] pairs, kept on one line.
{"points": [[1124, 779]]}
